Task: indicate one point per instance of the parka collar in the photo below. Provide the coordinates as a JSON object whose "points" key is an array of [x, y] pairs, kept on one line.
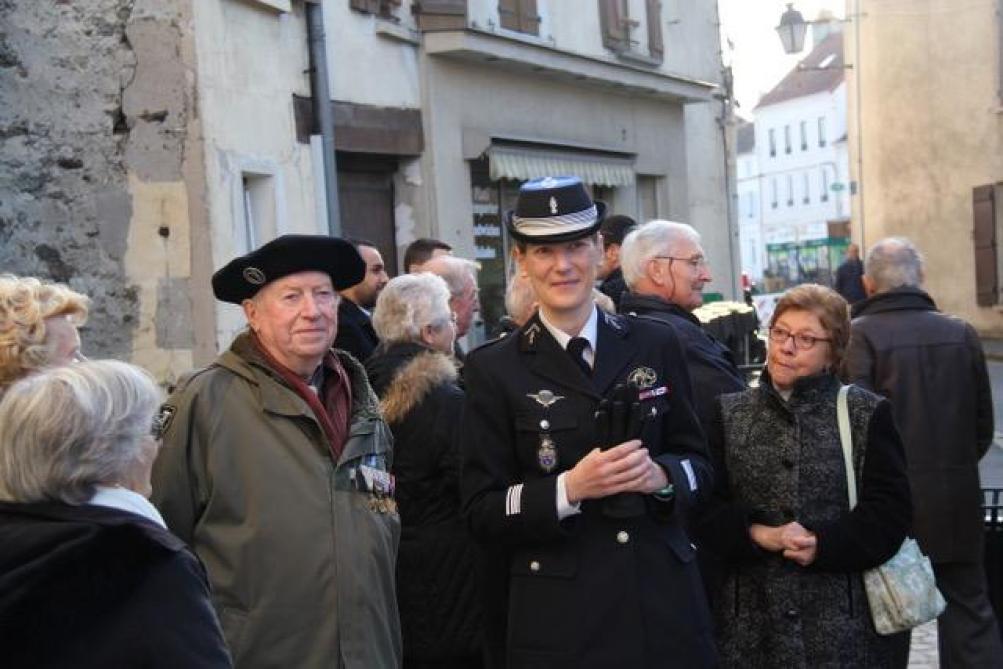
{"points": [[808, 392], [898, 299], [635, 302]]}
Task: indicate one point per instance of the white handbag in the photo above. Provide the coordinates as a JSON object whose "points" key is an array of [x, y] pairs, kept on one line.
{"points": [[902, 593]]}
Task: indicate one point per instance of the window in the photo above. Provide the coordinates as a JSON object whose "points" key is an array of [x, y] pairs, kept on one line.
{"points": [[773, 192], [790, 190], [750, 204], [787, 139], [519, 15], [804, 135], [824, 195], [385, 9], [986, 216], [807, 194], [260, 223], [647, 197], [821, 131], [773, 143], [623, 22]]}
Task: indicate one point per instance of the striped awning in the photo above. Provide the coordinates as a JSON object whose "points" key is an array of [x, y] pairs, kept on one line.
{"points": [[522, 164]]}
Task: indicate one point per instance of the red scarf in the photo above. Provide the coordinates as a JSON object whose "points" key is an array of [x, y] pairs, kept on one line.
{"points": [[333, 413]]}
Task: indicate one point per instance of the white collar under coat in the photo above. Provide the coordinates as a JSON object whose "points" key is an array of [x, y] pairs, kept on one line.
{"points": [[127, 500]]}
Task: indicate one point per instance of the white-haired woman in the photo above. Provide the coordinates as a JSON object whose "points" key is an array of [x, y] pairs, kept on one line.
{"points": [[89, 575], [414, 374]]}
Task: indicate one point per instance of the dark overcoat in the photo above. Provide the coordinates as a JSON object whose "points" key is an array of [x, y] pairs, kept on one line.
{"points": [[355, 331], [590, 590]]}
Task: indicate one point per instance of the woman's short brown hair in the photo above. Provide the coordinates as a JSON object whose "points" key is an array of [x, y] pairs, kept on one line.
{"points": [[830, 307], [25, 303]]}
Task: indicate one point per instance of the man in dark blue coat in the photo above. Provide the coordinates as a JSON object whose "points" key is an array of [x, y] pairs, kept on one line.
{"points": [[355, 325], [582, 456]]}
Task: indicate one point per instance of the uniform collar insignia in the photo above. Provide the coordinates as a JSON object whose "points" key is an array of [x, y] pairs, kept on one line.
{"points": [[613, 321], [545, 397], [531, 333], [643, 377]]}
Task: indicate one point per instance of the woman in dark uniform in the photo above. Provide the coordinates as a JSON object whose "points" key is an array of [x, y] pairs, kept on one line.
{"points": [[582, 455]]}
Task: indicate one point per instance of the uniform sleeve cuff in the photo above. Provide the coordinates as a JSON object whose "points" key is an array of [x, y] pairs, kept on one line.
{"points": [[564, 507]]}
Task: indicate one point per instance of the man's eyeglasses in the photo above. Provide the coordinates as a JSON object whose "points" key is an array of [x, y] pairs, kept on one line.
{"points": [[802, 340], [696, 262]]}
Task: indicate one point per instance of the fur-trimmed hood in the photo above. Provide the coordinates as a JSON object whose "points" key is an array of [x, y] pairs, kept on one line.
{"points": [[404, 375]]}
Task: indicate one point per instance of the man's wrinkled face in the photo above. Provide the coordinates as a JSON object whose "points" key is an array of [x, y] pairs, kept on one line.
{"points": [[689, 274], [465, 305], [295, 318], [375, 279]]}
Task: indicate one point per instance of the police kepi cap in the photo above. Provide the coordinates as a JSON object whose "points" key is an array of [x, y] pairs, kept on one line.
{"points": [[243, 277], [554, 209]]}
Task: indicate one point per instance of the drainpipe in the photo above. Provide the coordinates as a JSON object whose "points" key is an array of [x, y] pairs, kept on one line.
{"points": [[323, 110]]}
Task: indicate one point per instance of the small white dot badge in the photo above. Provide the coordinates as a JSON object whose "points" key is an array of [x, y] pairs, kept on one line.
{"points": [[553, 204]]}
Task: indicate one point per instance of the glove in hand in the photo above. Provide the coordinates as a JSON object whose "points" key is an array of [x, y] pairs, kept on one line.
{"points": [[619, 417]]}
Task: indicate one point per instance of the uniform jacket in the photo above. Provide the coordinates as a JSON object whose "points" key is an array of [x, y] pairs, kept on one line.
{"points": [[301, 562], [932, 368], [780, 461], [591, 590], [355, 331], [711, 365], [436, 581], [89, 586]]}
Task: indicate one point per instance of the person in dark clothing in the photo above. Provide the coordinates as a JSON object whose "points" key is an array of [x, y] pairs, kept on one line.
{"points": [[355, 329], [613, 230], [415, 377], [849, 276], [932, 368], [421, 250], [601, 572], [780, 517], [89, 574]]}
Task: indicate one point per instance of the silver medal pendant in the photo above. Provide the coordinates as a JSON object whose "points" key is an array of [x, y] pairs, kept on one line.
{"points": [[546, 455]]}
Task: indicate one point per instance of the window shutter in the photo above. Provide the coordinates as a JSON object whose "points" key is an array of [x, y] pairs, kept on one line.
{"points": [[656, 46], [361, 5], [611, 20], [508, 13], [984, 220], [529, 20], [441, 14]]}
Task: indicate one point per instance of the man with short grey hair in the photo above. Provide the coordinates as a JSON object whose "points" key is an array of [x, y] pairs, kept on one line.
{"points": [[932, 368], [460, 275]]}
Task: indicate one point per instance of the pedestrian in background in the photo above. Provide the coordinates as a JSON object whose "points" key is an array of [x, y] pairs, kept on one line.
{"points": [[849, 276], [38, 326], [414, 374], [423, 249], [932, 368], [89, 574], [793, 594], [355, 325], [595, 579], [613, 230], [460, 275], [275, 469]]}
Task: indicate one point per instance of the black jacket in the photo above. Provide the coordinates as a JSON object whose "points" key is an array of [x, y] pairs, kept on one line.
{"points": [[440, 607], [591, 590], [848, 280], [932, 368], [355, 331], [614, 286], [711, 365], [90, 586]]}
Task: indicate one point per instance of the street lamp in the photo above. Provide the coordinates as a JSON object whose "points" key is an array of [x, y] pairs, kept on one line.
{"points": [[792, 30]]}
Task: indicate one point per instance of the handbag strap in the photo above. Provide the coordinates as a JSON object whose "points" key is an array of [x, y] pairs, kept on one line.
{"points": [[846, 440]]}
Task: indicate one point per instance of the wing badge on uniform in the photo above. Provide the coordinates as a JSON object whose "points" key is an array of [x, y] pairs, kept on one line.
{"points": [[545, 397]]}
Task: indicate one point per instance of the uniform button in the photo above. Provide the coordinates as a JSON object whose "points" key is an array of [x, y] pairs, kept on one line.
{"points": [[788, 463], [622, 537], [791, 613], [534, 566], [544, 424]]}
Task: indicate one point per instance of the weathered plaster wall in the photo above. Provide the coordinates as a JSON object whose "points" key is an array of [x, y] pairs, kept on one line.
{"points": [[96, 131]]}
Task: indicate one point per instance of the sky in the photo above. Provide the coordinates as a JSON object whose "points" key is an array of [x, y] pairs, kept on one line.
{"points": [[751, 46]]}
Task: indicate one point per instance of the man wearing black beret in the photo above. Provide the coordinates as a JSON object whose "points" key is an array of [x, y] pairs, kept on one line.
{"points": [[582, 458], [275, 470]]}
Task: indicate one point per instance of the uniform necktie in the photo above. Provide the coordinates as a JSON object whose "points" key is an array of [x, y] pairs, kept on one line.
{"points": [[576, 349]]}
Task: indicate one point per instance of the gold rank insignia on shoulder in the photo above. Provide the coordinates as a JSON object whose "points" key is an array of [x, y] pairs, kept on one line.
{"points": [[545, 397], [643, 377]]}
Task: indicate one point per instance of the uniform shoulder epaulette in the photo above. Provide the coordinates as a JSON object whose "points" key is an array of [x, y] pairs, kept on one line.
{"points": [[490, 342]]}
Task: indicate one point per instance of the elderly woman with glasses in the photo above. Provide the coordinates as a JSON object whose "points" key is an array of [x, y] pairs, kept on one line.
{"points": [[89, 575], [780, 519], [415, 375], [38, 326]]}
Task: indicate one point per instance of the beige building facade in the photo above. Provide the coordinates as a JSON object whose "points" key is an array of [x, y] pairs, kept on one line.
{"points": [[925, 112]]}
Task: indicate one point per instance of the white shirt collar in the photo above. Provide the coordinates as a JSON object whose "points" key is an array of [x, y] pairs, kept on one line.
{"points": [[589, 332], [127, 500]]}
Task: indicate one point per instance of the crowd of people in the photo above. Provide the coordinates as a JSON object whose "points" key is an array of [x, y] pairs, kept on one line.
{"points": [[596, 486]]}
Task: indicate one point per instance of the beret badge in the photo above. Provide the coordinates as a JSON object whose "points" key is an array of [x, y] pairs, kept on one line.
{"points": [[254, 276]]}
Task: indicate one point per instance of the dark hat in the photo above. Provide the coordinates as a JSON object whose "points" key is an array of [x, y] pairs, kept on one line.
{"points": [[554, 209], [615, 228], [243, 277]]}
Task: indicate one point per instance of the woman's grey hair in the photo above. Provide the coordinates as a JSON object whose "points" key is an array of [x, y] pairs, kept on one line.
{"points": [[894, 262], [647, 241], [407, 304], [65, 430]]}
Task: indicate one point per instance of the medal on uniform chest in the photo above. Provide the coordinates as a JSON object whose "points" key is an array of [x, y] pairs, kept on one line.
{"points": [[546, 454]]}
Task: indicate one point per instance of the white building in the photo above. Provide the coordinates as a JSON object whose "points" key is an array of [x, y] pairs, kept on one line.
{"points": [[748, 207], [802, 165]]}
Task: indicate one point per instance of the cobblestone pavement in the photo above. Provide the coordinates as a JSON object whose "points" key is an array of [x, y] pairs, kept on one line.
{"points": [[923, 651]]}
